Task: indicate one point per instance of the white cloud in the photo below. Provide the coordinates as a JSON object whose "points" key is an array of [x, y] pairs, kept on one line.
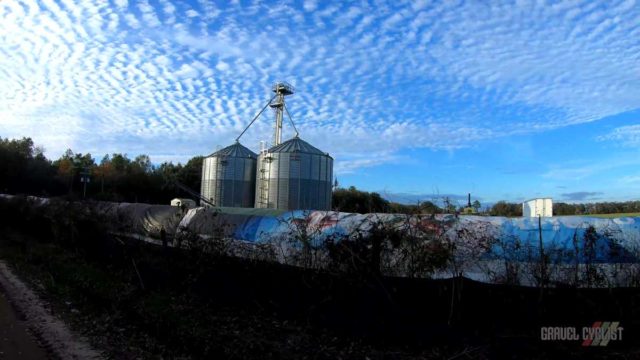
{"points": [[631, 179], [186, 71], [418, 5], [132, 21], [346, 166], [123, 4], [211, 45], [222, 66], [310, 5], [148, 14], [580, 172], [371, 80], [624, 135]]}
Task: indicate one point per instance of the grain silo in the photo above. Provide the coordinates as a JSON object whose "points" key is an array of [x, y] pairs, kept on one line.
{"points": [[294, 176], [290, 176], [228, 177]]}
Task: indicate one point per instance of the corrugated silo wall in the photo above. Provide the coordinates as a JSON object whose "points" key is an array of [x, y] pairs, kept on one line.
{"points": [[296, 181], [229, 181]]}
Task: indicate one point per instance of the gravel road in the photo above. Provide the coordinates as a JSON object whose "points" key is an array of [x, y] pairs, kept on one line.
{"points": [[22, 310], [16, 342]]}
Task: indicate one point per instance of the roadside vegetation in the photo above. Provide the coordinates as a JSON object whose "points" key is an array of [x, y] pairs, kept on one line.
{"points": [[137, 300], [25, 170], [142, 301]]}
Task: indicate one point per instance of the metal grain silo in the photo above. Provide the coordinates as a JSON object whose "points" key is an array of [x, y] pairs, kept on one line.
{"points": [[294, 176], [229, 175]]}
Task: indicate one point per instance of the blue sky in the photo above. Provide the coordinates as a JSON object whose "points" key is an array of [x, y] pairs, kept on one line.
{"points": [[414, 99]]}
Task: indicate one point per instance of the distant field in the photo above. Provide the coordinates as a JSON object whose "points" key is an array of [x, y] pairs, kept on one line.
{"points": [[608, 216]]}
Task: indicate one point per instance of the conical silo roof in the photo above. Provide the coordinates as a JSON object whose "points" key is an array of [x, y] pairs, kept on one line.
{"points": [[296, 145], [235, 150]]}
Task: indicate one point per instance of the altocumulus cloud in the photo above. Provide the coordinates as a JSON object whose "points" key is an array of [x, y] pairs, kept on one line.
{"points": [[173, 79]]}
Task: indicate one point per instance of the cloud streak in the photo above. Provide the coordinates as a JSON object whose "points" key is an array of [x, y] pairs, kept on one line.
{"points": [[581, 195], [628, 136]]}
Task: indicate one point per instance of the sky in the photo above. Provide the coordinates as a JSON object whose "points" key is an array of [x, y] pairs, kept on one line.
{"points": [[416, 100]]}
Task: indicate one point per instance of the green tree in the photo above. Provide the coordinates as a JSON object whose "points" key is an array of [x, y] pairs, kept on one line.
{"points": [[356, 201], [191, 173], [503, 208], [429, 207], [25, 169], [476, 205], [104, 172], [142, 163], [564, 209]]}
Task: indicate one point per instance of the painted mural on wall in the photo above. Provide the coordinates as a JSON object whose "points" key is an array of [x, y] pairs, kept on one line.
{"points": [[491, 249], [615, 240], [555, 231]]}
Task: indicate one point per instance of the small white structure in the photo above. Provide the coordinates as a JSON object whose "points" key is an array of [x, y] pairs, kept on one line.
{"points": [[537, 207], [187, 203]]}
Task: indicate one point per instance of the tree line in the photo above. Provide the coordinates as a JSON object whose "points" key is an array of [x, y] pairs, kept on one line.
{"points": [[503, 208], [596, 208], [24, 169], [357, 201]]}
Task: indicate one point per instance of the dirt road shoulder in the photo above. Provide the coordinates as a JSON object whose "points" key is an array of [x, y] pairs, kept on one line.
{"points": [[52, 332]]}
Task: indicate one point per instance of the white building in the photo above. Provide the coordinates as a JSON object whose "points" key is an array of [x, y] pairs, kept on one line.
{"points": [[537, 207], [187, 203]]}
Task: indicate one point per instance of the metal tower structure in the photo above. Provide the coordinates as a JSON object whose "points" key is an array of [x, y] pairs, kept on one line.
{"points": [[281, 89]]}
